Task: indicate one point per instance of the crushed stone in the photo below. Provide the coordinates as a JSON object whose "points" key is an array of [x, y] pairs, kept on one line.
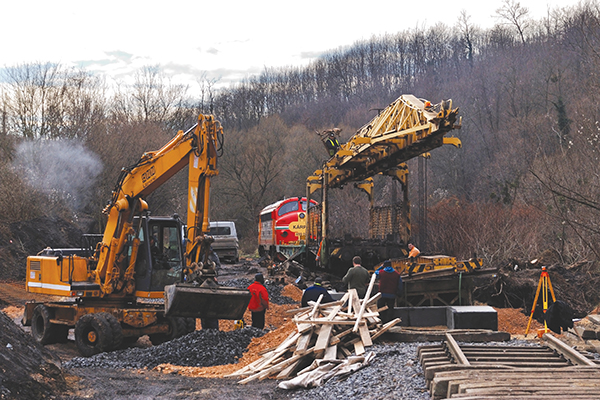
{"points": [[201, 348]]}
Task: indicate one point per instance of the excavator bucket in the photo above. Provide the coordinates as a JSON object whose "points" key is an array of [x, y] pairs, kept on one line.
{"points": [[218, 302]]}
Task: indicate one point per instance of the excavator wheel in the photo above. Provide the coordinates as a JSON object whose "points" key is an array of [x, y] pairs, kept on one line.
{"points": [[93, 335], [177, 327], [45, 332], [115, 328]]}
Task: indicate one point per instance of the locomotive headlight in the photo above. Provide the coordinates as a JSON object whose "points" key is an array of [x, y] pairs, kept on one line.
{"points": [[301, 215]]}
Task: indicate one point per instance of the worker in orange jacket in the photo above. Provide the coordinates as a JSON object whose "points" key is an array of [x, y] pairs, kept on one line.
{"points": [[413, 251], [259, 302]]}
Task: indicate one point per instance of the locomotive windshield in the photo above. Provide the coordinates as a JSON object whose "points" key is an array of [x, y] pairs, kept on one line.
{"points": [[288, 208]]}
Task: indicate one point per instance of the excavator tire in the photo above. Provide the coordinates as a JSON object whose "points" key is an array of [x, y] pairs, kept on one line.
{"points": [[45, 332], [93, 335], [115, 328], [177, 327]]}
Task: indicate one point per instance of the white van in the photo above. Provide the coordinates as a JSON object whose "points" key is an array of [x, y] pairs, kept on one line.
{"points": [[226, 243]]}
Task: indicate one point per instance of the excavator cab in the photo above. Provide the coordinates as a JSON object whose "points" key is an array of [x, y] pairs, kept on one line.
{"points": [[159, 267], [160, 258]]}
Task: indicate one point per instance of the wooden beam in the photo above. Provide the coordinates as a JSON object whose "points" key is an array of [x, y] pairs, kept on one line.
{"points": [[364, 303], [455, 350], [569, 353]]}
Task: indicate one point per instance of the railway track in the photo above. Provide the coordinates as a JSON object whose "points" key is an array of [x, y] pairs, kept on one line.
{"points": [[469, 372]]}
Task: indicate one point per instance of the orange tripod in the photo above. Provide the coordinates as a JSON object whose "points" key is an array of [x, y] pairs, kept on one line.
{"points": [[544, 285]]}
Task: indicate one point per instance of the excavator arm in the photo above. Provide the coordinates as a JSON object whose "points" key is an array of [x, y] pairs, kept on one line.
{"points": [[196, 148]]}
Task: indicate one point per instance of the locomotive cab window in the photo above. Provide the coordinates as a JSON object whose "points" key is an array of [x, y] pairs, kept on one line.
{"points": [[288, 208]]}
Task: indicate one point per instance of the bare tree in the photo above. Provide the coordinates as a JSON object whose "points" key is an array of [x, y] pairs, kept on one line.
{"points": [[515, 15], [154, 96]]}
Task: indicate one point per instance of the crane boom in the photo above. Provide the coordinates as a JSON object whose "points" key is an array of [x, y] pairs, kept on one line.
{"points": [[407, 128], [403, 130]]}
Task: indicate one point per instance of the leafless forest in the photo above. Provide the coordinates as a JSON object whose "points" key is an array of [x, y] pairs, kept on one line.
{"points": [[524, 185]]}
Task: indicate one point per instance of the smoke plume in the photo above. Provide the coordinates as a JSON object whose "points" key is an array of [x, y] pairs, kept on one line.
{"points": [[63, 169]]}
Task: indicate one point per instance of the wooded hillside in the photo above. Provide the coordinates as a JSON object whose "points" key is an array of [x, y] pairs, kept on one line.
{"points": [[525, 184]]}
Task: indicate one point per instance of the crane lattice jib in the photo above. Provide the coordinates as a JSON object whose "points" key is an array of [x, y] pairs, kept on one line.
{"points": [[405, 129]]}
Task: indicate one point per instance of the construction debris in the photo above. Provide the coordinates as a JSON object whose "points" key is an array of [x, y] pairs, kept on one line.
{"points": [[330, 332]]}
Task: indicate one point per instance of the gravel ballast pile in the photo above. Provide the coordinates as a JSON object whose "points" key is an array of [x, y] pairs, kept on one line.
{"points": [[394, 373], [274, 290], [203, 348]]}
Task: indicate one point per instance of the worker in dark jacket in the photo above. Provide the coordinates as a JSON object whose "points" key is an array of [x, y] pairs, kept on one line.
{"points": [[357, 277], [390, 286], [312, 293], [259, 302]]}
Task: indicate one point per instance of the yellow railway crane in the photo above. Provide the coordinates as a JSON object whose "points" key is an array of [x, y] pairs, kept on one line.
{"points": [[407, 128]]}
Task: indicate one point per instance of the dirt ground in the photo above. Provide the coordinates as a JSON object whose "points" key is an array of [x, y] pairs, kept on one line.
{"points": [[165, 381], [509, 289], [171, 382]]}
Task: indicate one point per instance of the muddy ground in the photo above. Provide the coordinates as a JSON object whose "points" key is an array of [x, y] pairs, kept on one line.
{"points": [[41, 367], [104, 383]]}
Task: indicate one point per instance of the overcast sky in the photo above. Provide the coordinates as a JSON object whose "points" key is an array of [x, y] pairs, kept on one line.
{"points": [[224, 39]]}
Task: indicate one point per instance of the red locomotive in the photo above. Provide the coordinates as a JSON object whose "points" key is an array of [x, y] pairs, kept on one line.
{"points": [[282, 226]]}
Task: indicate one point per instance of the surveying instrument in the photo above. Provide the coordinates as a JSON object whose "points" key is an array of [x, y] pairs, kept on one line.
{"points": [[544, 285]]}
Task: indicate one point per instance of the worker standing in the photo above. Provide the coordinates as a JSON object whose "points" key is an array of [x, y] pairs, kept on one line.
{"points": [[312, 293], [413, 251], [332, 144], [259, 302], [390, 286], [357, 277]]}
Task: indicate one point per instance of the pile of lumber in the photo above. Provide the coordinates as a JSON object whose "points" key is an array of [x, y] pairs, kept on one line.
{"points": [[329, 331]]}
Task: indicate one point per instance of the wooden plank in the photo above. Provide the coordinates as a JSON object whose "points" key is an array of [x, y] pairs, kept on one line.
{"points": [[310, 308], [325, 333], [323, 338], [454, 348], [336, 339], [287, 372], [385, 328], [359, 349], [313, 313], [595, 318], [279, 351], [365, 335], [247, 370], [303, 342], [276, 368], [569, 353], [352, 294], [344, 350], [324, 321], [331, 352], [364, 304]]}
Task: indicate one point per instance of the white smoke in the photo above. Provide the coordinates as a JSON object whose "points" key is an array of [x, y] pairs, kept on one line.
{"points": [[63, 169]]}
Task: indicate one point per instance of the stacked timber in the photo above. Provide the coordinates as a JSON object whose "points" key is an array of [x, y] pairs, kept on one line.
{"points": [[329, 332], [467, 371]]}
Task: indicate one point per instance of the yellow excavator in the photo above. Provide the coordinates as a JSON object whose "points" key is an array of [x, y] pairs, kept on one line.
{"points": [[145, 275]]}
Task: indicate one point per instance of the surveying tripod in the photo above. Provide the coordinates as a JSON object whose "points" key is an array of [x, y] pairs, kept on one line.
{"points": [[544, 285]]}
